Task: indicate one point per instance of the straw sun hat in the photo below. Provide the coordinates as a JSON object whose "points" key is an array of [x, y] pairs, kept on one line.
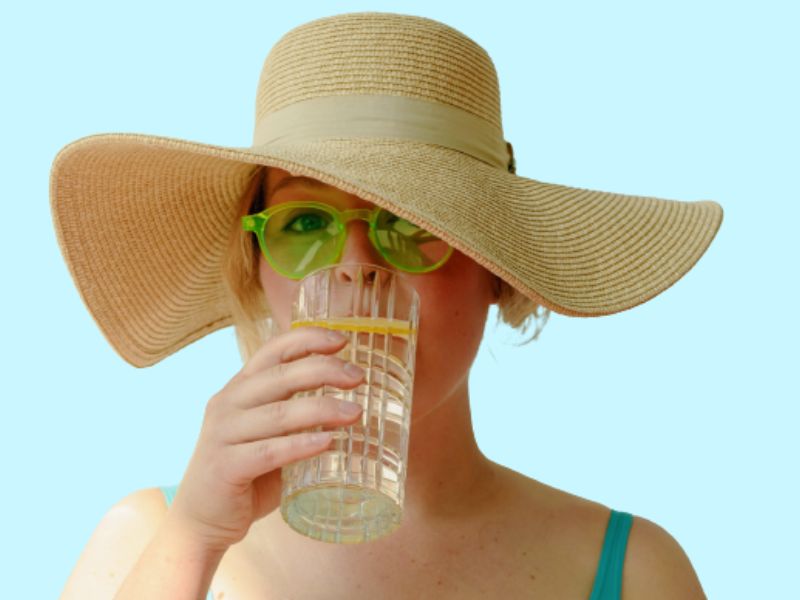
{"points": [[400, 110]]}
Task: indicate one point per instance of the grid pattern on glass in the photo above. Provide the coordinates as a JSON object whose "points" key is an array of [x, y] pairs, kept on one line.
{"points": [[354, 491]]}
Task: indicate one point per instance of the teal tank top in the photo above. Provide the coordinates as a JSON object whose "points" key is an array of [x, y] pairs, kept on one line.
{"points": [[608, 578]]}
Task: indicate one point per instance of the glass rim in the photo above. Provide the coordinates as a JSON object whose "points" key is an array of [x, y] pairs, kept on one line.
{"points": [[395, 272]]}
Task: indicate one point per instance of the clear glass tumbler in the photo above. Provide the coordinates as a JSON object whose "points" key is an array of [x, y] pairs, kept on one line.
{"points": [[354, 491]]}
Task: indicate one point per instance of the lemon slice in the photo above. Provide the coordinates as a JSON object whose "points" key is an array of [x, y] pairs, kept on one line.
{"points": [[379, 325]]}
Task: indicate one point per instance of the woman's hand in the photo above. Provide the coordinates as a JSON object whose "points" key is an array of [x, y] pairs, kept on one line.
{"points": [[249, 433]]}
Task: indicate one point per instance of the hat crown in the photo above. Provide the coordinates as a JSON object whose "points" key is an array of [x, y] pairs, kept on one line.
{"points": [[380, 54]]}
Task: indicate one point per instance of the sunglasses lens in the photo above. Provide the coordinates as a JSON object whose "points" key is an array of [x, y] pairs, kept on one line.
{"points": [[301, 239], [407, 246]]}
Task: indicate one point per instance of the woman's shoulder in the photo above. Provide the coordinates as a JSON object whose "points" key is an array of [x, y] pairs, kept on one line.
{"points": [[116, 544], [655, 565], [150, 501], [547, 521], [554, 505], [145, 506]]}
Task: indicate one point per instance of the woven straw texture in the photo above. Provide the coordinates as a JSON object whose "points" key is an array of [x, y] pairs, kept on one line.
{"points": [[380, 54], [143, 220]]}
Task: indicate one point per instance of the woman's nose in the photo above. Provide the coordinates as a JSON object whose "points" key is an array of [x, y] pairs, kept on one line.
{"points": [[358, 249]]}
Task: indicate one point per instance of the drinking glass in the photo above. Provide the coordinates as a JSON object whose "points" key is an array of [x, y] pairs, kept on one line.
{"points": [[353, 492]]}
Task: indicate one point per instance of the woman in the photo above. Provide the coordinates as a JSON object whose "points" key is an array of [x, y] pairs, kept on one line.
{"points": [[360, 110]]}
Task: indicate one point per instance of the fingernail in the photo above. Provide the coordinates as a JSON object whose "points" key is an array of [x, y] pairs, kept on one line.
{"points": [[349, 408], [353, 371], [335, 336]]}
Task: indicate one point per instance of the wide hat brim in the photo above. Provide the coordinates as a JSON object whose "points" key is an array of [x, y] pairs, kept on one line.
{"points": [[144, 221]]}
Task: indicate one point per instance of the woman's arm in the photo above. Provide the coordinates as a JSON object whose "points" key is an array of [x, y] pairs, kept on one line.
{"points": [[142, 550], [137, 552]]}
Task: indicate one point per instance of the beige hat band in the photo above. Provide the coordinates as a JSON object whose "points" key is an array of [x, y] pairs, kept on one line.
{"points": [[383, 116]]}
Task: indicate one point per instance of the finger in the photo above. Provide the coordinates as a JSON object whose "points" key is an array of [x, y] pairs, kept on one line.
{"points": [[294, 344], [253, 459], [283, 380], [289, 416]]}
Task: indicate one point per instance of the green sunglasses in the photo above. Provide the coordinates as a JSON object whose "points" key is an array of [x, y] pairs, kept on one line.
{"points": [[300, 237]]}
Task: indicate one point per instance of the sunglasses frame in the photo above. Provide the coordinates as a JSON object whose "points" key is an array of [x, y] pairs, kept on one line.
{"points": [[257, 223]]}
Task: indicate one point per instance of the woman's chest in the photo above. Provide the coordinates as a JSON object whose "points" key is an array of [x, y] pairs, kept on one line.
{"points": [[393, 582], [493, 561]]}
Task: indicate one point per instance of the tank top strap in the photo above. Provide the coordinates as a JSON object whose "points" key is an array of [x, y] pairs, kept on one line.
{"points": [[169, 493], [608, 579]]}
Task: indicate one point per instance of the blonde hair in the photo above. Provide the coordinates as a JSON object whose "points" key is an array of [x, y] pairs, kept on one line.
{"points": [[248, 303]]}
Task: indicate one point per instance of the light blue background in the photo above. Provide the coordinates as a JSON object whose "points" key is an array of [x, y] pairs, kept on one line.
{"points": [[682, 410]]}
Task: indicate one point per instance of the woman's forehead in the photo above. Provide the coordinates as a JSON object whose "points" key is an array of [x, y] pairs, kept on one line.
{"points": [[297, 187], [297, 181]]}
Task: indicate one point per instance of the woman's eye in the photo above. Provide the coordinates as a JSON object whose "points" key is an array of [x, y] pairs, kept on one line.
{"points": [[306, 222]]}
